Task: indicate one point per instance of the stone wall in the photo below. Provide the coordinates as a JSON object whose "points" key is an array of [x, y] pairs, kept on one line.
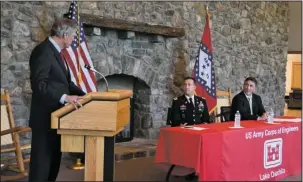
{"points": [[248, 39]]}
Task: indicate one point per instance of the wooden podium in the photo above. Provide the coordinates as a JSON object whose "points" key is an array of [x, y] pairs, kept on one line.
{"points": [[92, 128]]}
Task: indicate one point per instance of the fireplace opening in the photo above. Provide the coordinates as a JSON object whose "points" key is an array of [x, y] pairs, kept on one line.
{"points": [[140, 114]]}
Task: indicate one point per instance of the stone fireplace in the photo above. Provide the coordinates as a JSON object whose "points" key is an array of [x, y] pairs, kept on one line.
{"points": [[139, 63]]}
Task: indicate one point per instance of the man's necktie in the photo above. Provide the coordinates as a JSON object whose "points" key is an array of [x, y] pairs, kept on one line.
{"points": [[191, 102], [250, 105], [63, 61]]}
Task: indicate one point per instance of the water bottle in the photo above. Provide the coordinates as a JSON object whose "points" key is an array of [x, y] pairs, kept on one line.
{"points": [[237, 120], [270, 118]]}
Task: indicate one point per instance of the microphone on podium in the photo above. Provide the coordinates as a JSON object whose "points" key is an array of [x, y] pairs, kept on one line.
{"points": [[92, 69]]}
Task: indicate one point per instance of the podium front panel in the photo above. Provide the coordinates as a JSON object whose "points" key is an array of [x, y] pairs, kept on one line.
{"points": [[98, 115]]}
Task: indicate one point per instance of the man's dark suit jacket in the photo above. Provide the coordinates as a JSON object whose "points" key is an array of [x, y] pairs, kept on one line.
{"points": [[50, 79], [183, 111], [240, 103]]}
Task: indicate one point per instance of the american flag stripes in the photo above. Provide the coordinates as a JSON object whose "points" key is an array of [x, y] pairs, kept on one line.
{"points": [[78, 54]]}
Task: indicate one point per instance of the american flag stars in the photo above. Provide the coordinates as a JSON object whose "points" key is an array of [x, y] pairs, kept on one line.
{"points": [[73, 15]]}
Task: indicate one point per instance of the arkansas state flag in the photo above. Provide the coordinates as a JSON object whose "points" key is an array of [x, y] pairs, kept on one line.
{"points": [[204, 70]]}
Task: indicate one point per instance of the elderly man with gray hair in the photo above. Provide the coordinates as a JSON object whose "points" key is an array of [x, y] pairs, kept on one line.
{"points": [[52, 88]]}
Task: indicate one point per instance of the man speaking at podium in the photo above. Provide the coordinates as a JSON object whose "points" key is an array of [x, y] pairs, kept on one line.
{"points": [[51, 88]]}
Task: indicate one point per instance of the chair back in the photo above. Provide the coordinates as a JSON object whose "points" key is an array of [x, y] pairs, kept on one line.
{"points": [[224, 98], [7, 120], [168, 119], [225, 113]]}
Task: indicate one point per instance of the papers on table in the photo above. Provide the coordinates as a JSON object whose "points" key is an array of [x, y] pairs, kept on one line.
{"points": [[287, 120], [236, 127], [271, 123], [194, 128]]}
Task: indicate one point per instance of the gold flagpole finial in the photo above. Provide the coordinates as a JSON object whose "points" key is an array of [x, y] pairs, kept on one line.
{"points": [[207, 13]]}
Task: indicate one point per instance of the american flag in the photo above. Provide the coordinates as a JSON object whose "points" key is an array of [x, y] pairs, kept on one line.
{"points": [[78, 54], [203, 72]]}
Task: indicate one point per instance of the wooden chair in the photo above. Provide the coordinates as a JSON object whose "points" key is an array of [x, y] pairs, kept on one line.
{"points": [[10, 141], [224, 98]]}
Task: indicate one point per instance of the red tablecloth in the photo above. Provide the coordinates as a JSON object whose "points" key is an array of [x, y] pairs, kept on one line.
{"points": [[259, 151]]}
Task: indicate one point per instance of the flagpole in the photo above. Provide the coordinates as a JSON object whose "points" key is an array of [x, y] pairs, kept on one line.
{"points": [[78, 48], [208, 20], [79, 165]]}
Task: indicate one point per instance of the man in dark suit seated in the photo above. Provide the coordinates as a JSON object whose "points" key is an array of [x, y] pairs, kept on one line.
{"points": [[188, 108], [52, 88], [247, 103]]}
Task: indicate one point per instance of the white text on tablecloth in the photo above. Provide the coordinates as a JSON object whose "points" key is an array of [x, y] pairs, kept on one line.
{"points": [[270, 132]]}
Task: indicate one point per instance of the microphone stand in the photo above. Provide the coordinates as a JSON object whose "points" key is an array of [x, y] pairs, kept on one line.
{"points": [[93, 70]]}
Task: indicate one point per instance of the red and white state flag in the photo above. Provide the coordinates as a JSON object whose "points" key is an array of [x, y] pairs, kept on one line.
{"points": [[203, 72]]}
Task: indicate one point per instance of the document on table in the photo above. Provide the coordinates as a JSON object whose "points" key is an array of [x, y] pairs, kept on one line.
{"points": [[194, 128], [288, 120], [236, 127]]}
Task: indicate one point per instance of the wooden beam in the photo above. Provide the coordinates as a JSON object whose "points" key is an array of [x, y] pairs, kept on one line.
{"points": [[111, 23], [294, 52]]}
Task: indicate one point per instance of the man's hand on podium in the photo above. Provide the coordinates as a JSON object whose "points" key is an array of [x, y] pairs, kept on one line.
{"points": [[74, 100]]}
